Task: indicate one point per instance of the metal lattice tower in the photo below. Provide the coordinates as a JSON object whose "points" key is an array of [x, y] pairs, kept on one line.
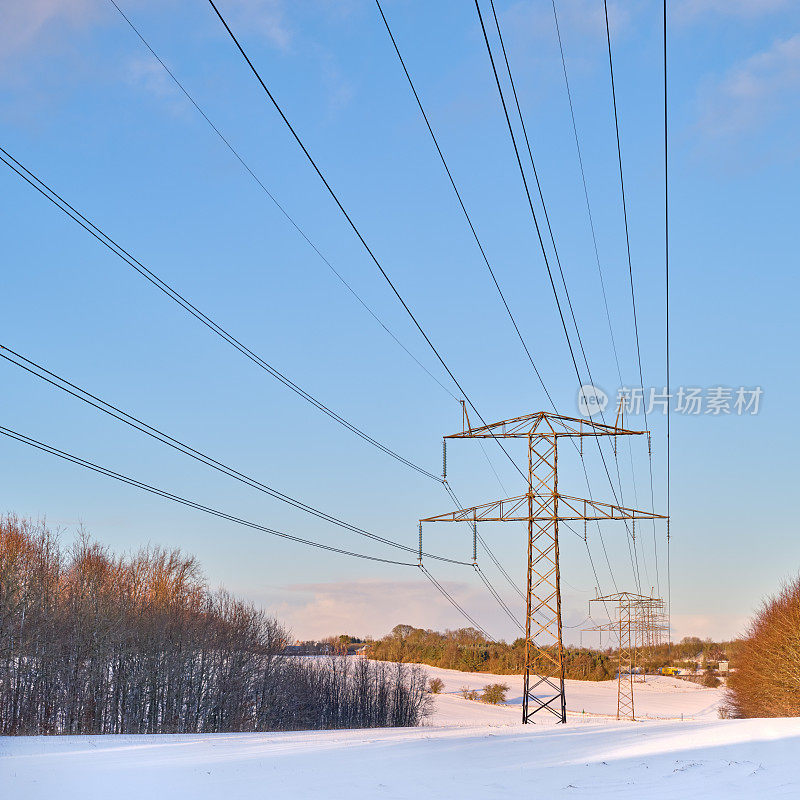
{"points": [[542, 507], [638, 625], [650, 627]]}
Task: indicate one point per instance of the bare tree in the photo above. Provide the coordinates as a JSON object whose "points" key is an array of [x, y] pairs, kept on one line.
{"points": [[94, 643]]}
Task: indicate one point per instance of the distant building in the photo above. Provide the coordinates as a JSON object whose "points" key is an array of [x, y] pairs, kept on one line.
{"points": [[309, 649], [723, 666]]}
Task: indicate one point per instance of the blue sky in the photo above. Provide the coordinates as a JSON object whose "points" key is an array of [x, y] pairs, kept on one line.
{"points": [[85, 106]]}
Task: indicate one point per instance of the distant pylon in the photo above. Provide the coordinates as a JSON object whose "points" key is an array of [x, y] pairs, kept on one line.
{"points": [[542, 507], [649, 628], [638, 627]]}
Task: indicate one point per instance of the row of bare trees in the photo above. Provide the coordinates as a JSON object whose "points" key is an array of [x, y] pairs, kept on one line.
{"points": [[96, 643], [765, 681]]}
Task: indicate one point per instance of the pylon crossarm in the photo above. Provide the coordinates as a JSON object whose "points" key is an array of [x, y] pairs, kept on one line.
{"points": [[582, 509], [511, 508], [626, 597], [542, 423], [516, 509]]}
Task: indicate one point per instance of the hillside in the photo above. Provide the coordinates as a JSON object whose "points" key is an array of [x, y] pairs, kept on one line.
{"points": [[466, 750], [658, 698]]}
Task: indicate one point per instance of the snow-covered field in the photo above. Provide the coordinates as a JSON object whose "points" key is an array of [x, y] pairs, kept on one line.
{"points": [[659, 697], [466, 750]]}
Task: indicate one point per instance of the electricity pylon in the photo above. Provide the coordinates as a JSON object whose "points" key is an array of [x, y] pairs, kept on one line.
{"points": [[542, 507], [636, 621], [649, 627]]}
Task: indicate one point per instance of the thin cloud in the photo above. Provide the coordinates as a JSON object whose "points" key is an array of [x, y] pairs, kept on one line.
{"points": [[43, 28], [264, 17], [530, 36], [146, 73], [374, 607], [28, 23], [691, 10], [371, 607], [577, 17], [719, 627], [753, 93], [25, 23]]}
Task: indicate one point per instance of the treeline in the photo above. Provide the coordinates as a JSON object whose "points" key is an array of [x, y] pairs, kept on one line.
{"points": [[694, 649], [469, 651], [96, 643]]}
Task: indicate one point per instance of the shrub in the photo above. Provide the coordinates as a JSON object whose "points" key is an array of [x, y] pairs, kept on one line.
{"points": [[467, 693], [765, 681], [710, 680], [494, 693], [435, 685]]}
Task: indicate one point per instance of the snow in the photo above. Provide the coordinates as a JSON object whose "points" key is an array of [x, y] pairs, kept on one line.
{"points": [[466, 750], [658, 697]]}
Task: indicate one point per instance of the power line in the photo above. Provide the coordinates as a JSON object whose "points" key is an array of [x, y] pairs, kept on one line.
{"points": [[586, 194], [482, 251], [491, 466], [450, 599], [292, 221], [505, 574], [182, 500], [108, 242], [360, 236], [502, 297], [499, 599], [511, 582], [527, 190], [539, 187], [485, 546], [489, 267], [594, 238], [594, 243], [666, 293], [336, 199], [278, 205], [58, 201], [229, 517], [355, 229], [134, 422], [634, 562], [510, 74], [263, 187], [547, 221], [628, 250], [461, 202], [577, 625], [87, 397]]}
